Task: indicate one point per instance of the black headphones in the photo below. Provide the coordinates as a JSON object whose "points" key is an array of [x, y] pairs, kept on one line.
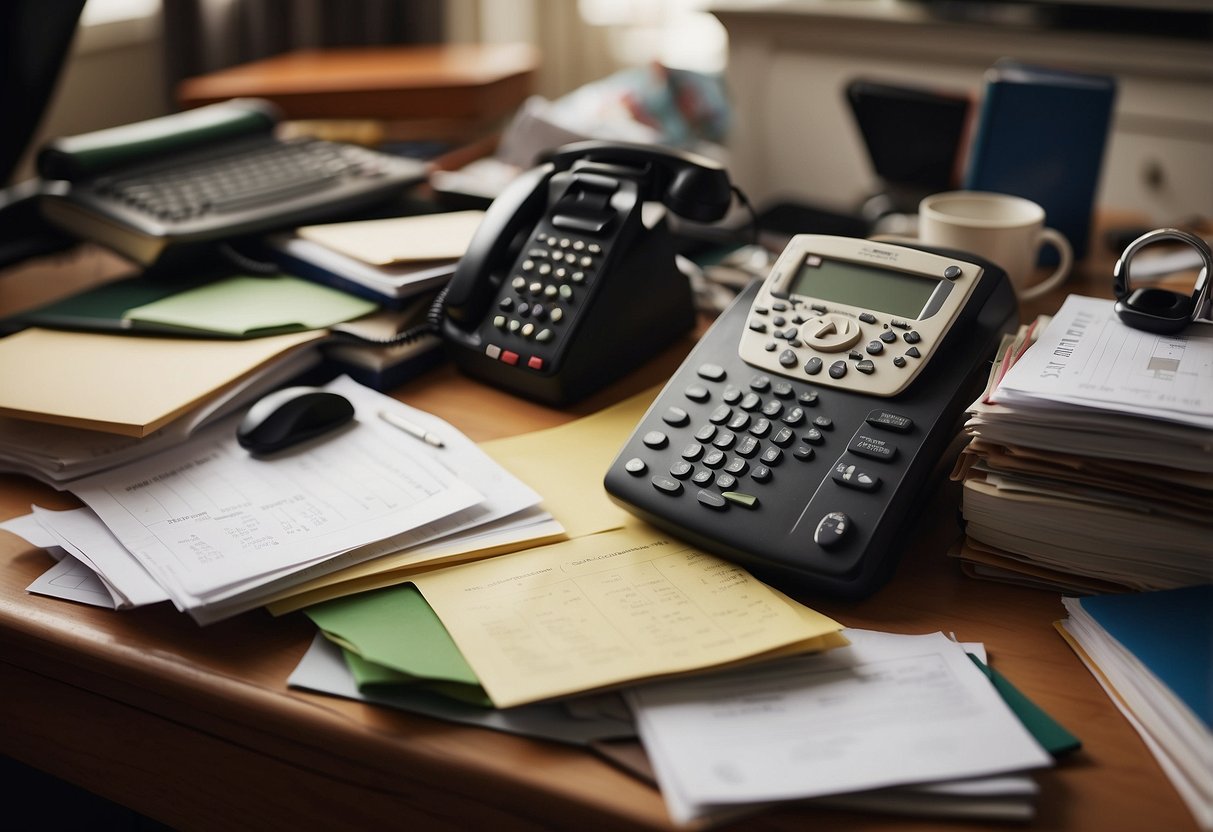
{"points": [[1160, 310]]}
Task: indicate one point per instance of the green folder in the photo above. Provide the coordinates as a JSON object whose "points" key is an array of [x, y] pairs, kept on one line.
{"points": [[230, 307], [395, 636]]}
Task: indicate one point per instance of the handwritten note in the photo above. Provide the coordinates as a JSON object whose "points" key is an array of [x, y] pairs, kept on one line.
{"points": [[610, 608]]}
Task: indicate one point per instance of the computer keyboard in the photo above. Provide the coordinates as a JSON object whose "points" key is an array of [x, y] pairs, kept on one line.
{"points": [[239, 188], [248, 178]]}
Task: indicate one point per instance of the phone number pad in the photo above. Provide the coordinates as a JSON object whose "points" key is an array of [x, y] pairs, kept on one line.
{"points": [[755, 430], [544, 284], [742, 440]]}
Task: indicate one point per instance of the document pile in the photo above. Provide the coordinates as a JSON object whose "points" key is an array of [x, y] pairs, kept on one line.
{"points": [[741, 697], [386, 260], [1153, 654], [1090, 461], [92, 381], [218, 531], [76, 403], [896, 723], [582, 615]]}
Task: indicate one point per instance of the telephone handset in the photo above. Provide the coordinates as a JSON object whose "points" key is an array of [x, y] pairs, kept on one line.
{"points": [[801, 432], [564, 287]]}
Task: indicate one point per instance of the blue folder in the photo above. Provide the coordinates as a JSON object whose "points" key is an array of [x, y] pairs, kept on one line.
{"points": [[1171, 632]]}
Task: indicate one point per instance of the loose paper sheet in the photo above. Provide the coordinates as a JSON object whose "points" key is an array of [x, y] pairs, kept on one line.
{"points": [[79, 532], [566, 464], [611, 608], [399, 239]]}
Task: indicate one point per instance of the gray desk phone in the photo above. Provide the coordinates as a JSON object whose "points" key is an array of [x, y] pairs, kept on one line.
{"points": [[799, 436]]}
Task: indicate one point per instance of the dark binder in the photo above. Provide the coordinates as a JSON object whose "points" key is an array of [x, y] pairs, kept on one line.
{"points": [[1041, 134]]}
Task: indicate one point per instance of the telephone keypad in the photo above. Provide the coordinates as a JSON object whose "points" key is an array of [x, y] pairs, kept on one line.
{"points": [[753, 431], [543, 290], [669, 486]]}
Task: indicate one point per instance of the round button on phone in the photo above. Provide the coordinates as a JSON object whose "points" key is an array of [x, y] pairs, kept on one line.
{"points": [[830, 332], [831, 529], [655, 439]]}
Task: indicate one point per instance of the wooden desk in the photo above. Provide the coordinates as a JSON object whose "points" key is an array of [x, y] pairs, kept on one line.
{"points": [[196, 727], [452, 91]]}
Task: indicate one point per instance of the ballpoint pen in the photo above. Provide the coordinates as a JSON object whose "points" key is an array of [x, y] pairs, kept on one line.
{"points": [[412, 429]]}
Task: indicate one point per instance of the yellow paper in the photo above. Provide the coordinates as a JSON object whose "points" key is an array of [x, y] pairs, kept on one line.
{"points": [[410, 239], [125, 384], [566, 464], [389, 570], [612, 608]]}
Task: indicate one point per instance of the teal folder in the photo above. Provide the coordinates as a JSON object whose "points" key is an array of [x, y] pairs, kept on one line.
{"points": [[1052, 735], [1170, 631]]}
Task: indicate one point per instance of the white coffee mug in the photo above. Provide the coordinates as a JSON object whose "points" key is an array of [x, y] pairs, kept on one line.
{"points": [[1008, 230]]}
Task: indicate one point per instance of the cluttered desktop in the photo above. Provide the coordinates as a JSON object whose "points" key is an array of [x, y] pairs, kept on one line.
{"points": [[611, 500]]}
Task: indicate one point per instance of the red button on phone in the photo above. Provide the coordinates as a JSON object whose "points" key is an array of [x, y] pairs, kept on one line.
{"points": [[509, 357], [535, 362]]}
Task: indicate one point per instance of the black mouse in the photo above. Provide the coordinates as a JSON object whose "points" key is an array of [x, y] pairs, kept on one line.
{"points": [[292, 415]]}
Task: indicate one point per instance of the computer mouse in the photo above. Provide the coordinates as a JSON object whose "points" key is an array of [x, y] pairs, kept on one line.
{"points": [[292, 415]]}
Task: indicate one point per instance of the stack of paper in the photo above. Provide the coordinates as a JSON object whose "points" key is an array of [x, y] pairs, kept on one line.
{"points": [[85, 386], [220, 531], [387, 260], [573, 494], [385, 349], [74, 403], [1153, 654], [816, 726], [1090, 463], [897, 723]]}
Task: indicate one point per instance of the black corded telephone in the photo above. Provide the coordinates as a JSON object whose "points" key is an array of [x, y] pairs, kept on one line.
{"points": [[564, 288]]}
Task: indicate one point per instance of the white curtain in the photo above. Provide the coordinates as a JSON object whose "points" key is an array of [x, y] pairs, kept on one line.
{"points": [[573, 52]]}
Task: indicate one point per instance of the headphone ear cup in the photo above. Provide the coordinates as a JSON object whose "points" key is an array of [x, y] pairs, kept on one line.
{"points": [[699, 194]]}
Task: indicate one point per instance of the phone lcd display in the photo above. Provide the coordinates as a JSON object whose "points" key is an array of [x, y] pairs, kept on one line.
{"points": [[898, 293]]}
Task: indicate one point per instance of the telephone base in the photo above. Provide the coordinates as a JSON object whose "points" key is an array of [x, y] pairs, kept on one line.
{"points": [[810, 487]]}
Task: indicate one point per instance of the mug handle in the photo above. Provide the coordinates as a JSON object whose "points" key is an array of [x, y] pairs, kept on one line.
{"points": [[1066, 257]]}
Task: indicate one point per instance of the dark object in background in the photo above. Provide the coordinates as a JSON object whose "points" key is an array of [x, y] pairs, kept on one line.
{"points": [[1041, 134], [33, 46], [780, 221], [914, 137]]}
